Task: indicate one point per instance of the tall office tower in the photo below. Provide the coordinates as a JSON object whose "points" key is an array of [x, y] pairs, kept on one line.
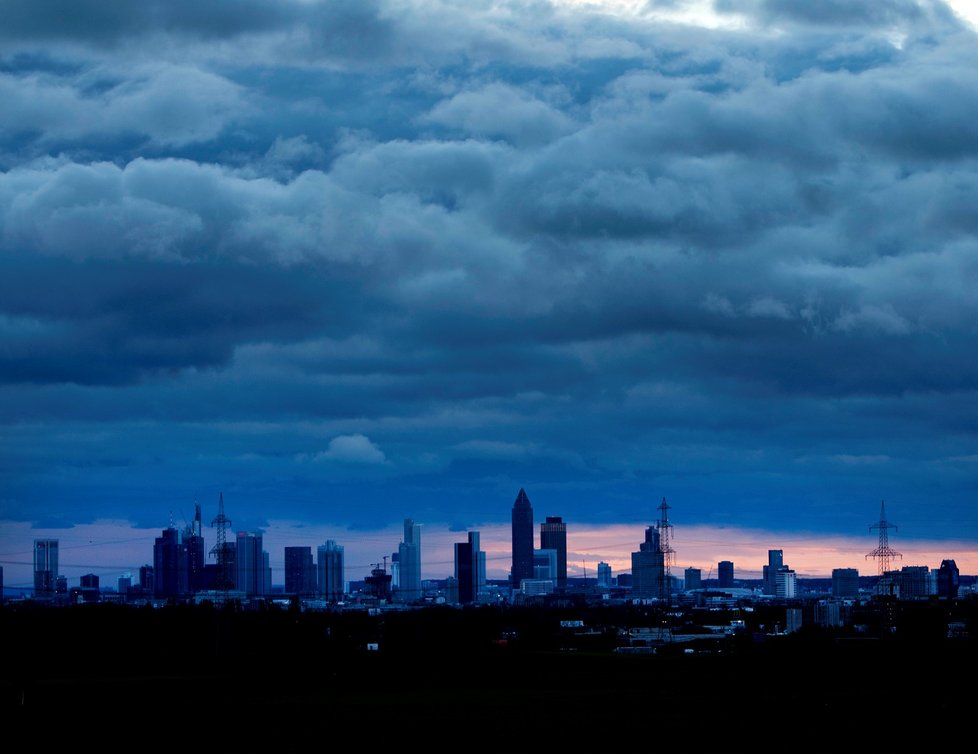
{"points": [[725, 573], [250, 561], [124, 585], [948, 579], [785, 583], [196, 554], [648, 567], [409, 563], [845, 582], [545, 566], [604, 574], [775, 559], [170, 565], [45, 567], [300, 573], [553, 536], [330, 564], [522, 540], [147, 580], [693, 579], [470, 569]]}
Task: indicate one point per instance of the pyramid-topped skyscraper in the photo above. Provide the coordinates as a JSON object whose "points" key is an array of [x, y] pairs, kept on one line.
{"points": [[522, 539]]}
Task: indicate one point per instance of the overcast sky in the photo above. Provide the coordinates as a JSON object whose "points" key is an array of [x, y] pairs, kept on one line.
{"points": [[353, 261]]}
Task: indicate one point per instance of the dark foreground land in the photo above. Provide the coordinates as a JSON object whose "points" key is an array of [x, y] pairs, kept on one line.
{"points": [[485, 663]]}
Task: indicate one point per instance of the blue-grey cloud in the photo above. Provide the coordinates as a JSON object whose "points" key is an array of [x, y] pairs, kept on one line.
{"points": [[420, 254]]}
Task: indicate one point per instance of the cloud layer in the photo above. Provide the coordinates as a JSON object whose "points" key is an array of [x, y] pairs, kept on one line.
{"points": [[419, 254]]}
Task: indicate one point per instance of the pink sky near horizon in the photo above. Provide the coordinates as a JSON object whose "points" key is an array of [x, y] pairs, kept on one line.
{"points": [[110, 548]]}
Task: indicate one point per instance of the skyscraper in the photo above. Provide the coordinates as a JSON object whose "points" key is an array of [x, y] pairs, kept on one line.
{"points": [[196, 559], [330, 565], [251, 564], [693, 579], [522, 540], [553, 536], [604, 574], [470, 569], [300, 573], [45, 567], [775, 560], [170, 565], [725, 574], [648, 567], [409, 563]]}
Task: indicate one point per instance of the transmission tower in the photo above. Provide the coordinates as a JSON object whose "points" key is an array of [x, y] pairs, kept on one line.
{"points": [[219, 550], [884, 552], [665, 545]]}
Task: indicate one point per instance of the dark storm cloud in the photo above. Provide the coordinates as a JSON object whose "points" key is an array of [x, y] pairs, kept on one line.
{"points": [[92, 20], [428, 252]]}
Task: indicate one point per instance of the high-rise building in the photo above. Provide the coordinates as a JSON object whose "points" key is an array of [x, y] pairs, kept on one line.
{"points": [[545, 566], [948, 579], [604, 574], [522, 540], [725, 574], [914, 582], [193, 537], [845, 582], [147, 580], [300, 573], [553, 536], [470, 569], [409, 563], [251, 561], [45, 567], [648, 567], [775, 559], [693, 579], [330, 565], [170, 566], [785, 583], [124, 585]]}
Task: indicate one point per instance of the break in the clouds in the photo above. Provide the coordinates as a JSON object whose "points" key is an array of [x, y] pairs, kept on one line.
{"points": [[360, 261]]}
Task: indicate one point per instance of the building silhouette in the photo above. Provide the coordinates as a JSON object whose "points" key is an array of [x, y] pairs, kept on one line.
{"points": [[604, 574], [45, 567], [545, 566], [845, 582], [553, 536], [409, 563], [470, 570], [693, 579], [775, 560], [648, 567], [254, 574], [193, 537], [725, 574], [329, 562], [522, 540], [948, 579], [300, 573], [170, 565]]}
